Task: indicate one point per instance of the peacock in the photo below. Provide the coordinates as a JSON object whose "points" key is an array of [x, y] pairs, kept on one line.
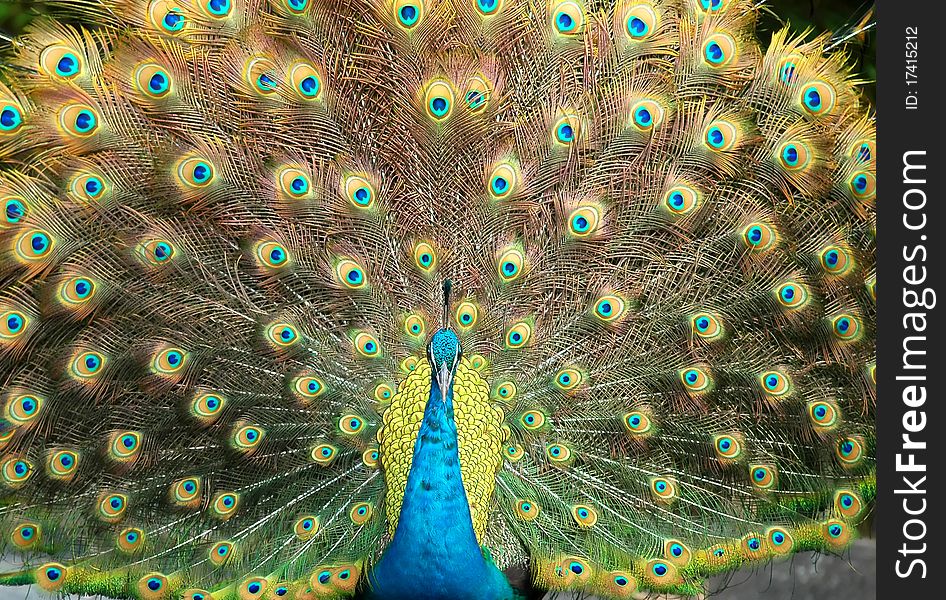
{"points": [[313, 299]]}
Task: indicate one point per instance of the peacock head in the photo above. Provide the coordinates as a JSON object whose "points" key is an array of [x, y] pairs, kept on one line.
{"points": [[444, 353]]}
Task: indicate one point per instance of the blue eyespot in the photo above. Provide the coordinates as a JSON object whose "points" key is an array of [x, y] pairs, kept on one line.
{"points": [[660, 569], [487, 7], [714, 53], [218, 8], [566, 133], [324, 577], [564, 22], [173, 20], [159, 83], [10, 118], [676, 550], [253, 588], [715, 137], [637, 27], [68, 65], [643, 117]]}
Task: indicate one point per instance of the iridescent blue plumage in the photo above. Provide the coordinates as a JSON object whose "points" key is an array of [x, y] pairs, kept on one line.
{"points": [[434, 553]]}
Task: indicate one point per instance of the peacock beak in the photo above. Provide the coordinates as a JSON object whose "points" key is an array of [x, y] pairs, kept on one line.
{"points": [[444, 380]]}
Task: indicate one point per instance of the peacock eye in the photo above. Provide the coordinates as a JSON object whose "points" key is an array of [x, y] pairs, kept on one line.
{"points": [[792, 295], [640, 22], [350, 274], [794, 156], [532, 420], [305, 80], [510, 264], [568, 18], [438, 100], [488, 7], [583, 221], [719, 50], [818, 98], [721, 136], [217, 9], [361, 512], [11, 118], [568, 379], [282, 335], [775, 383], [359, 191], [566, 129], [502, 180], [846, 327], [712, 5], [60, 61], [763, 477], [788, 69], [863, 185], [759, 237], [681, 200], [195, 172]]}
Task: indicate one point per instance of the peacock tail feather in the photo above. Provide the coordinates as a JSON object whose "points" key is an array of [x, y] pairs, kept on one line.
{"points": [[227, 223]]}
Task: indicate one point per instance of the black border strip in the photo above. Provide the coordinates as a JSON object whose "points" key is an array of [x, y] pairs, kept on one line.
{"points": [[910, 264]]}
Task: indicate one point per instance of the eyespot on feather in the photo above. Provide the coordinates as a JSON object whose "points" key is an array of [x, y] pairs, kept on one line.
{"points": [[583, 221], [260, 75], [361, 512], [153, 80], [125, 446], [306, 81], [323, 454], [568, 18], [584, 515], [167, 16], [26, 535], [195, 172], [503, 180], [350, 274], [186, 492], [306, 527], [359, 191], [646, 115], [224, 504], [220, 553], [79, 120], [719, 50], [526, 510], [50, 576], [511, 264], [153, 586], [34, 246], [438, 99], [640, 22], [61, 61], [294, 182], [112, 507], [518, 335], [477, 94], [818, 98]]}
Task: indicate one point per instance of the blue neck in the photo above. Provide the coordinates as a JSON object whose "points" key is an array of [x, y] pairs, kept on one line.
{"points": [[434, 553]]}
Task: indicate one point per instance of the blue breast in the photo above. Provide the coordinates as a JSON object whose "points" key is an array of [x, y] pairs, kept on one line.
{"points": [[434, 554]]}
